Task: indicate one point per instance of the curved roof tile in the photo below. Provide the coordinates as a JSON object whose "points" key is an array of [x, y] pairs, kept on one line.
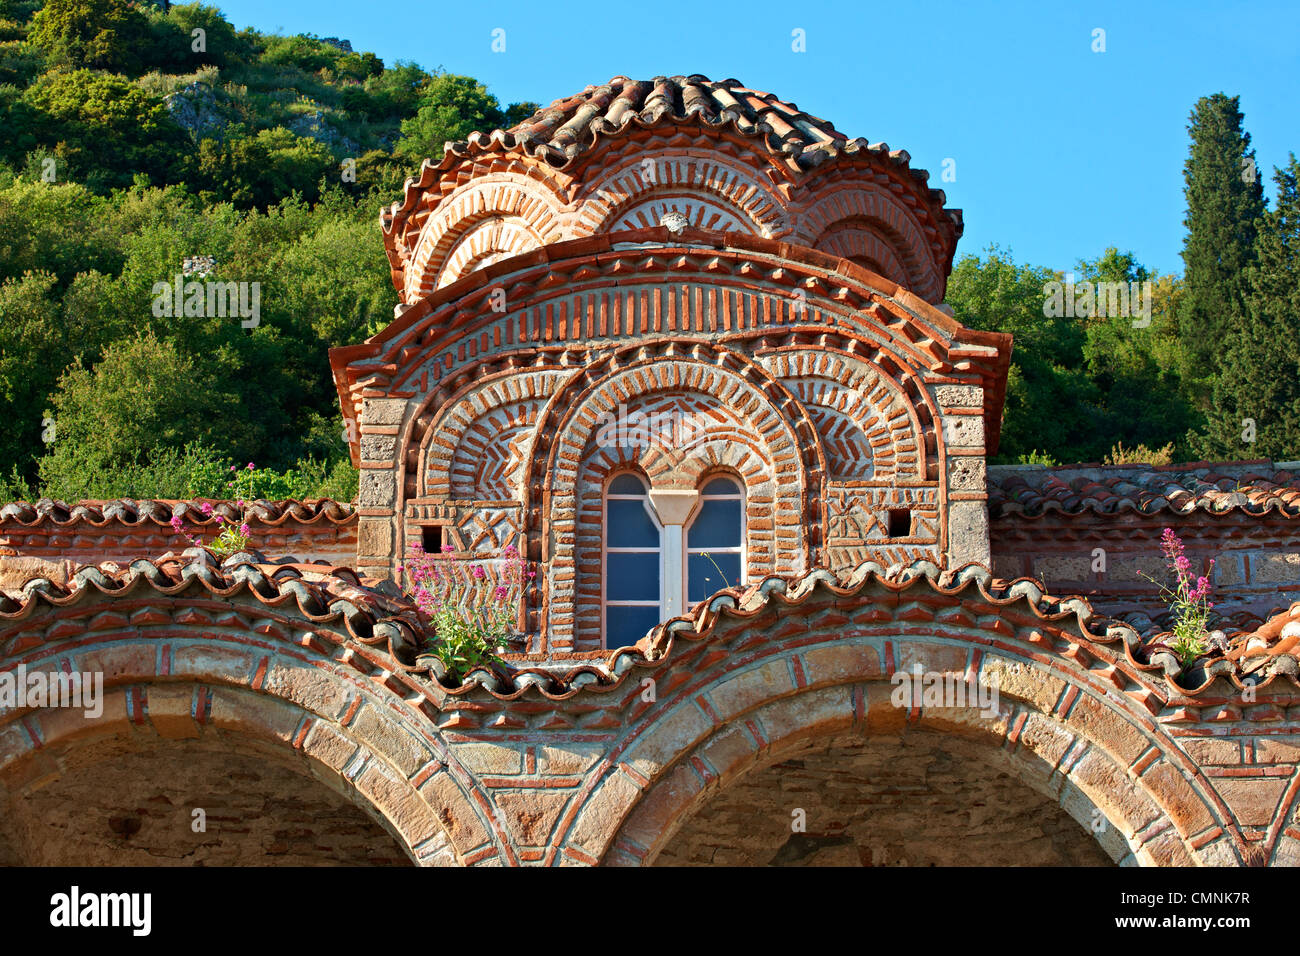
{"points": [[1255, 488], [561, 133], [129, 511]]}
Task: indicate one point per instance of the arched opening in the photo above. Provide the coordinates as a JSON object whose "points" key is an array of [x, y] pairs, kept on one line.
{"points": [[916, 798], [215, 800]]}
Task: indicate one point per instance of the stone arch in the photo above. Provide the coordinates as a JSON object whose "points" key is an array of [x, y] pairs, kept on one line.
{"points": [[738, 448], [484, 243], [482, 435], [763, 681], [835, 388], [193, 664], [566, 428], [713, 192], [863, 209], [509, 213]]}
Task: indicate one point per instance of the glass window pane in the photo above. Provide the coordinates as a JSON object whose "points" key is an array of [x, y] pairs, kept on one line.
{"points": [[627, 625], [627, 485], [629, 525], [721, 486], [703, 578], [717, 525], [632, 577]]}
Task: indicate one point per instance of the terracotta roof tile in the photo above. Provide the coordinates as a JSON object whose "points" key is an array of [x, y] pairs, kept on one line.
{"points": [[562, 132], [1255, 488], [159, 512]]}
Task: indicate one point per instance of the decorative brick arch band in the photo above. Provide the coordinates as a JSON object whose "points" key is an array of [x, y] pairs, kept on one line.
{"points": [[462, 446], [738, 694], [527, 204], [844, 203], [568, 427], [197, 663], [713, 190], [853, 389]]}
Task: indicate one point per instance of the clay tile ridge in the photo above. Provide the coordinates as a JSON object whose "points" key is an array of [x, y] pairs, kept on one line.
{"points": [[1107, 490], [675, 638], [562, 132], [129, 511], [372, 612]]}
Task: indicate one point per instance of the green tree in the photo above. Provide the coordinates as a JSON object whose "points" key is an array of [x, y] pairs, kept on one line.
{"points": [[143, 396], [111, 129], [101, 34], [451, 107], [260, 170], [1260, 378], [1051, 406], [1225, 198]]}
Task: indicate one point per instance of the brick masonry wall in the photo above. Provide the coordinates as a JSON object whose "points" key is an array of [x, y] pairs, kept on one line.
{"points": [[56, 549], [1257, 557], [545, 774]]}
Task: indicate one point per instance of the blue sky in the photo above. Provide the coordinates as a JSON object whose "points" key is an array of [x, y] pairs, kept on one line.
{"points": [[1059, 151]]}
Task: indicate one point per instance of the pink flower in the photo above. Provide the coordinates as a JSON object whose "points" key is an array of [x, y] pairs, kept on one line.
{"points": [[206, 507], [511, 551], [233, 468], [447, 549], [532, 574], [176, 523], [250, 466], [245, 530], [479, 572], [500, 592], [1182, 563]]}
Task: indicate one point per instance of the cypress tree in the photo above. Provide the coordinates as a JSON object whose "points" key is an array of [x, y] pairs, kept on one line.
{"points": [[1260, 377], [1224, 199]]}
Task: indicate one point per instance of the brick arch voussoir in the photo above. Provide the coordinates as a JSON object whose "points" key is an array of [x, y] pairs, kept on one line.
{"points": [[788, 683], [533, 202], [571, 416], [450, 409], [856, 372], [843, 195], [189, 663], [561, 416], [735, 186]]}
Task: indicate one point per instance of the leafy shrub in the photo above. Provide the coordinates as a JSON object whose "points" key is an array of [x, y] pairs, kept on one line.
{"points": [[1141, 455], [467, 630]]}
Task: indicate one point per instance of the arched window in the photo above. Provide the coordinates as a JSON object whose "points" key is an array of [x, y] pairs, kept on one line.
{"points": [[633, 585], [715, 540]]}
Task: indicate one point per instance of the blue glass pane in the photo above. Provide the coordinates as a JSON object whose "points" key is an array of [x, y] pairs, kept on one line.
{"points": [[721, 486], [627, 485], [627, 625], [629, 525], [703, 578], [717, 525], [632, 577]]}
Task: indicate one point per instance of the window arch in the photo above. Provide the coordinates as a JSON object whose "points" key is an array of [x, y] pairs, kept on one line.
{"points": [[633, 572], [715, 539]]}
